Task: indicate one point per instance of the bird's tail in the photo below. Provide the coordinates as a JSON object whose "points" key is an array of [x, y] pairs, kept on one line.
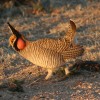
{"points": [[71, 32], [73, 52]]}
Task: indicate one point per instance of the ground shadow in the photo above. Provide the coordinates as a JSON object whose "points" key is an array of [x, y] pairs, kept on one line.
{"points": [[93, 66]]}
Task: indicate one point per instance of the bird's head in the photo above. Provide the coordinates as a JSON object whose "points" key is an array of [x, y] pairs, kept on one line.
{"points": [[16, 40]]}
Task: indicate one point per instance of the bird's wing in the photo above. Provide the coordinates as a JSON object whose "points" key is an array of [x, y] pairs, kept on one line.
{"points": [[62, 47], [58, 45]]}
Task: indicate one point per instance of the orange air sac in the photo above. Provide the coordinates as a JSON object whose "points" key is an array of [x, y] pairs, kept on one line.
{"points": [[21, 44]]}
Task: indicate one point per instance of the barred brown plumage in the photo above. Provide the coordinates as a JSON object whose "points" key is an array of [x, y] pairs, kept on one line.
{"points": [[70, 35], [47, 53], [58, 45]]}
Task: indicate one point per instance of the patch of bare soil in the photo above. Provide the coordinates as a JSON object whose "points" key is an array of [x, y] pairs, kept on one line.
{"points": [[21, 80]]}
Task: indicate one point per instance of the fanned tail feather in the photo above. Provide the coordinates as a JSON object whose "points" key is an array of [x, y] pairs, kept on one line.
{"points": [[70, 35]]}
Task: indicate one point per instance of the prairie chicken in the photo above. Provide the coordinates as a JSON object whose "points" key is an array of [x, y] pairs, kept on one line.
{"points": [[47, 53]]}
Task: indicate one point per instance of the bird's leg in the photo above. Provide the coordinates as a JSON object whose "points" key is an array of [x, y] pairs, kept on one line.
{"points": [[67, 71], [49, 75], [73, 67], [69, 68]]}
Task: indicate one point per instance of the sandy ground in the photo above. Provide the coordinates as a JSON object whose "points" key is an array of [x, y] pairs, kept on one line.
{"points": [[16, 72]]}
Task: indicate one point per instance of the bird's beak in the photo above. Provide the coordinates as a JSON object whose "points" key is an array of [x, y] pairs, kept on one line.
{"points": [[14, 31]]}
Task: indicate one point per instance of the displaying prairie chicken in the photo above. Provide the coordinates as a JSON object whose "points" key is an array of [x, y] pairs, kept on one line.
{"points": [[50, 54]]}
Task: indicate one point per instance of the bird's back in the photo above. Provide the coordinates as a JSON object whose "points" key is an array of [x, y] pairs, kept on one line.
{"points": [[58, 45]]}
